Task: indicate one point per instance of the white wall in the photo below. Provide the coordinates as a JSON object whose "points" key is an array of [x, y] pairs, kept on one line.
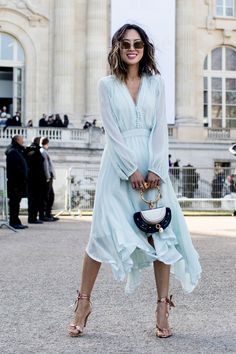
{"points": [[157, 18]]}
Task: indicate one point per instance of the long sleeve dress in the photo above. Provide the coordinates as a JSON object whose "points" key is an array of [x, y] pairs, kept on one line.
{"points": [[137, 138]]}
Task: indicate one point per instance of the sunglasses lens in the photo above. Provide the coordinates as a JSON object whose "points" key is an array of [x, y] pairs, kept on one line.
{"points": [[138, 45], [127, 45]]}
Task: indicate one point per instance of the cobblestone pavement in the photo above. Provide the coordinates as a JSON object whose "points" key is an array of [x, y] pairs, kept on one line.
{"points": [[39, 274]]}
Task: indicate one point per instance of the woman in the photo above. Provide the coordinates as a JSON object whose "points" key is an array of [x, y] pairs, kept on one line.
{"points": [[133, 113]]}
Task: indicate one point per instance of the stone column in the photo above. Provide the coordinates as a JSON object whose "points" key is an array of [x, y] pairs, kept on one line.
{"points": [[98, 16], [186, 61], [80, 60], [63, 58]]}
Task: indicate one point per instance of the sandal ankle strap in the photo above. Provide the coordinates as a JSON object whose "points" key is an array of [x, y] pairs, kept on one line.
{"points": [[83, 296], [165, 300]]}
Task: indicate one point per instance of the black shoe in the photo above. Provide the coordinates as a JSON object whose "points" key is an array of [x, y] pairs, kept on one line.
{"points": [[18, 226], [35, 221], [24, 226], [45, 218]]}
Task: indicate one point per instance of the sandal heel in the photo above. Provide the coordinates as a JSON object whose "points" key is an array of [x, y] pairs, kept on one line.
{"points": [[165, 332], [74, 330]]}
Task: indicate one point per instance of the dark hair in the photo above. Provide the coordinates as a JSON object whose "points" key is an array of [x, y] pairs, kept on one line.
{"points": [[147, 64], [36, 140], [15, 138], [44, 141]]}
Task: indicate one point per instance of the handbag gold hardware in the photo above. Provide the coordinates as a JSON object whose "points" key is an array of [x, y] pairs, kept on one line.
{"points": [[151, 203]]}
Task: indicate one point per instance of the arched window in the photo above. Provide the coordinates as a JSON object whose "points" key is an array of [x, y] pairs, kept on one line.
{"points": [[12, 62], [220, 88]]}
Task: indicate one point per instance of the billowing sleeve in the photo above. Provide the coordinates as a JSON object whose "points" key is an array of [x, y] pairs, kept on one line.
{"points": [[158, 141], [122, 157]]}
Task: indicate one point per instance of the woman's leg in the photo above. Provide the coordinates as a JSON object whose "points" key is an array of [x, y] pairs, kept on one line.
{"points": [[162, 276], [89, 275]]}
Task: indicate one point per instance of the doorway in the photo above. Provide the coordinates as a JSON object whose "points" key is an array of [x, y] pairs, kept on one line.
{"points": [[12, 62]]}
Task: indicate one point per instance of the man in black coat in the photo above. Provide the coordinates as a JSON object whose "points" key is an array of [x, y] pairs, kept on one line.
{"points": [[43, 122], [36, 181], [17, 174]]}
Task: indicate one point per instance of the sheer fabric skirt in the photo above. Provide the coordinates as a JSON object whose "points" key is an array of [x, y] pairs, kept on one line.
{"points": [[114, 237]]}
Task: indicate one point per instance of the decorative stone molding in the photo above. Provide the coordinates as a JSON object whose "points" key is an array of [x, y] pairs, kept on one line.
{"points": [[25, 8], [210, 24], [210, 21], [227, 33]]}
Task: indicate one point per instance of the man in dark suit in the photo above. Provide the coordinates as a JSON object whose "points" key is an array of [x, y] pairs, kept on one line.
{"points": [[36, 181], [16, 120], [17, 174]]}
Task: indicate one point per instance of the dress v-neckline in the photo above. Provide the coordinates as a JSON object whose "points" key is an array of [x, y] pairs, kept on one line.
{"points": [[136, 100]]}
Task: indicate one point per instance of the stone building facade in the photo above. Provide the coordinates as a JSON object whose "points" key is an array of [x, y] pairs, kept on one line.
{"points": [[58, 51], [205, 124], [64, 47]]}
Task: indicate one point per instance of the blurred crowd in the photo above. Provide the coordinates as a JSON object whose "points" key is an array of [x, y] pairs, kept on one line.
{"points": [[53, 120]]}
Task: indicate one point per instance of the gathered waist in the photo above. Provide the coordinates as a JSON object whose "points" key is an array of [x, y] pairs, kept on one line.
{"points": [[135, 132]]}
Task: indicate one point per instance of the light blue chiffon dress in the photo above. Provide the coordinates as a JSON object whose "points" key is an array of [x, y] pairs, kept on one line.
{"points": [[137, 138]]}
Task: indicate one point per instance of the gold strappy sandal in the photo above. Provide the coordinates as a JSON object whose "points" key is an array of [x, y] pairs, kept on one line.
{"points": [[74, 330], [165, 332]]}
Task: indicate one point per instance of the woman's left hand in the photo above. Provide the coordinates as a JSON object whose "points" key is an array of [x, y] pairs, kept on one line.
{"points": [[153, 180]]}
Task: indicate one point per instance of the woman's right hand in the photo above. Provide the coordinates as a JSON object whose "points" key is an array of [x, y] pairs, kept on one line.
{"points": [[137, 180]]}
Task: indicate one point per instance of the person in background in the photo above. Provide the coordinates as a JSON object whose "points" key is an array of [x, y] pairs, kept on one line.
{"points": [[3, 113], [170, 163], [48, 194], [58, 122], [87, 125], [4, 117], [17, 175], [66, 121], [190, 180], [29, 124], [16, 120], [217, 184], [175, 170], [51, 121], [36, 181], [43, 122]]}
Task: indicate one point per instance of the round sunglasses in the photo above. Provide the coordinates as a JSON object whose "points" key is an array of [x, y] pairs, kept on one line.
{"points": [[125, 44]]}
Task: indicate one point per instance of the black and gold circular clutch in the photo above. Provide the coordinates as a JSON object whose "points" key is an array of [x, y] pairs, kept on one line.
{"points": [[153, 219]]}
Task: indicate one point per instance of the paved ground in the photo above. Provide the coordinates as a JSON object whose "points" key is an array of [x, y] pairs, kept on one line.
{"points": [[39, 274]]}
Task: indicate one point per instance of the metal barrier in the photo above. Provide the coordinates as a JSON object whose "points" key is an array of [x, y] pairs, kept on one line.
{"points": [[196, 188], [3, 199], [80, 189], [205, 188]]}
